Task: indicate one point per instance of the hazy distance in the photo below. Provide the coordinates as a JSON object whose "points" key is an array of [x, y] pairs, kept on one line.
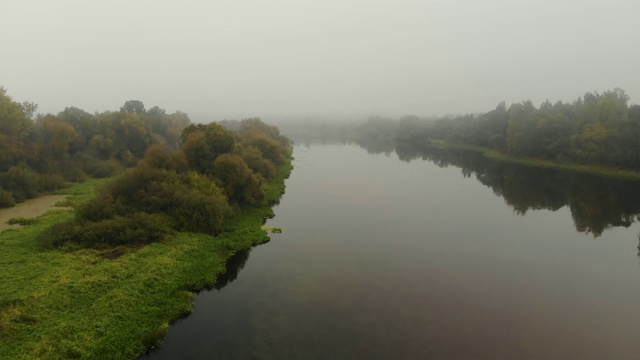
{"points": [[315, 59]]}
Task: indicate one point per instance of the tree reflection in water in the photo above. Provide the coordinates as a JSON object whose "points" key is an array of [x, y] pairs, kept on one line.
{"points": [[596, 203], [234, 265]]}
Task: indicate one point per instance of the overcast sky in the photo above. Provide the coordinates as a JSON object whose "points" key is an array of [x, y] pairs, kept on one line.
{"points": [[242, 58]]}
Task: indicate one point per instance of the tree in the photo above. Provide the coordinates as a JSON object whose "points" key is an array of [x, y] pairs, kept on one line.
{"points": [[133, 134], [15, 129], [133, 107], [521, 131], [56, 137], [29, 109], [238, 181], [168, 127], [202, 144]]}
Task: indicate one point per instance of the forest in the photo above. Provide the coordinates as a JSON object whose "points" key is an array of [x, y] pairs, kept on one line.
{"points": [[595, 129], [173, 175]]}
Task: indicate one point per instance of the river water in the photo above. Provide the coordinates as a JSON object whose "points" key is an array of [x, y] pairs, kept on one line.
{"points": [[443, 255]]}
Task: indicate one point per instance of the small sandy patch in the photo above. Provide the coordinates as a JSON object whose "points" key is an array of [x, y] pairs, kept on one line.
{"points": [[29, 209]]}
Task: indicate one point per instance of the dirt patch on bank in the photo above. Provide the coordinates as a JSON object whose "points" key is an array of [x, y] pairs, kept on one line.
{"points": [[29, 209]]}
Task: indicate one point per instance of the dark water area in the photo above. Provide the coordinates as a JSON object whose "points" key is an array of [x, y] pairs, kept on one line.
{"points": [[429, 255]]}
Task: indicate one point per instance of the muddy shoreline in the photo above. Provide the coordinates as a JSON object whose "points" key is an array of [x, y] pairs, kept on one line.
{"points": [[29, 209]]}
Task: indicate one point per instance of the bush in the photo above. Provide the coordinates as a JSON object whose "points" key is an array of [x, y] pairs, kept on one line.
{"points": [[257, 163], [102, 168], [239, 182], [99, 208], [135, 229], [138, 228], [73, 173], [162, 157], [6, 199], [270, 148], [22, 221], [192, 200], [50, 182], [22, 182], [58, 234]]}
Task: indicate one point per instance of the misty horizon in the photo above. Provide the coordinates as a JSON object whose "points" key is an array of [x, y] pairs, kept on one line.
{"points": [[284, 60]]}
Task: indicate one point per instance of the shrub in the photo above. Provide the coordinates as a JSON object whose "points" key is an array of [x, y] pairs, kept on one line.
{"points": [[270, 148], [72, 172], [22, 182], [192, 200], [58, 234], [22, 221], [99, 208], [257, 163], [6, 199], [239, 182], [50, 182], [161, 157], [138, 228], [102, 168]]}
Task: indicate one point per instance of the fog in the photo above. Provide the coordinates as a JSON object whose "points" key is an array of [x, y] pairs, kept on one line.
{"points": [[315, 59]]}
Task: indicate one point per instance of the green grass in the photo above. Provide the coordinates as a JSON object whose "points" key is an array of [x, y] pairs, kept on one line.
{"points": [[115, 303], [22, 221], [79, 193], [587, 169], [443, 144], [272, 229], [598, 170], [275, 189]]}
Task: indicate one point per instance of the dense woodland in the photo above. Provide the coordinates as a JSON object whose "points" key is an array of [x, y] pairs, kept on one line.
{"points": [[598, 129], [173, 175]]}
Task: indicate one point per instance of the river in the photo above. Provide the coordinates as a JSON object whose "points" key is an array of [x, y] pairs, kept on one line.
{"points": [[428, 256]]}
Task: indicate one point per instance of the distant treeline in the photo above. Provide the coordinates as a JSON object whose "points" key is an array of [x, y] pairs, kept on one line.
{"points": [[174, 176], [599, 129]]}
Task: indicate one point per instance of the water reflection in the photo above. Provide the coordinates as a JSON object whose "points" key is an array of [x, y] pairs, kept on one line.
{"points": [[234, 264], [596, 203]]}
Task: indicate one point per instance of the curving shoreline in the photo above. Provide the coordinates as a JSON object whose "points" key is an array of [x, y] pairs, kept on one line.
{"points": [[598, 170]]}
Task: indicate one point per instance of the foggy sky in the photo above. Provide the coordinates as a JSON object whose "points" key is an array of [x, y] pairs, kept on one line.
{"points": [[287, 59]]}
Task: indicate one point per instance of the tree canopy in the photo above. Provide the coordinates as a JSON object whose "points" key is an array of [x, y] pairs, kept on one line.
{"points": [[600, 129]]}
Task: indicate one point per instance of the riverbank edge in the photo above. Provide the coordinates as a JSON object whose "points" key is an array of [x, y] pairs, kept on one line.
{"points": [[598, 170], [83, 304], [244, 232]]}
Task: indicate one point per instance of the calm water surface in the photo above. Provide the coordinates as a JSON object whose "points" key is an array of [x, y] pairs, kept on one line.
{"points": [[386, 259]]}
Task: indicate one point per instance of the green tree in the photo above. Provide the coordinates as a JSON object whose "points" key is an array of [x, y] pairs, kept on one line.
{"points": [[133, 134], [238, 181], [521, 131], [202, 144], [15, 129]]}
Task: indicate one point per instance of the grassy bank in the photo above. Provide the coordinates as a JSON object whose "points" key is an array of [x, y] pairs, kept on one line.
{"points": [[498, 156], [587, 169], [115, 303]]}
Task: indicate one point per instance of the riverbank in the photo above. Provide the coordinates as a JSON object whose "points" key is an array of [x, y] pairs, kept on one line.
{"points": [[598, 170], [113, 303], [587, 169]]}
